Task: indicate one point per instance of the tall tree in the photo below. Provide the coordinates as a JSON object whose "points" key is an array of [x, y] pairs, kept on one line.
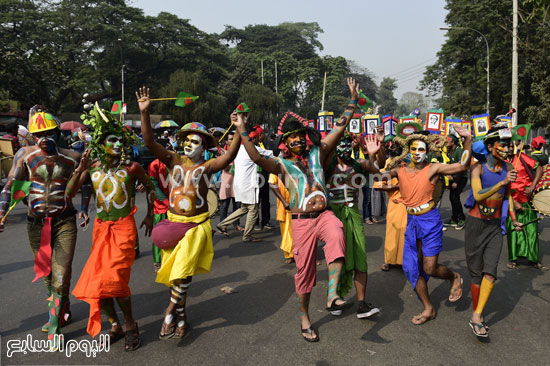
{"points": [[386, 101]]}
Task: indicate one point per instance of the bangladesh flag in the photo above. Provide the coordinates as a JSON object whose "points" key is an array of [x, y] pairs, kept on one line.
{"points": [[184, 99], [19, 190], [242, 108], [364, 102], [521, 132], [117, 107]]}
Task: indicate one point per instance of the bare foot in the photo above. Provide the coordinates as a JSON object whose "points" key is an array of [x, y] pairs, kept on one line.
{"points": [[456, 288], [423, 317]]}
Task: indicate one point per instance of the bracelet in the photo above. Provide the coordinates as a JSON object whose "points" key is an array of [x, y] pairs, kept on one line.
{"points": [[244, 133], [353, 101]]}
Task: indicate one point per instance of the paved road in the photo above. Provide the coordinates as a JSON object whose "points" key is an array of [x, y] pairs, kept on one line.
{"points": [[258, 325]]}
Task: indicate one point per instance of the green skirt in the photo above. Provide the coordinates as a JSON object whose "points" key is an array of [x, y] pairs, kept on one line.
{"points": [[356, 252], [524, 243]]}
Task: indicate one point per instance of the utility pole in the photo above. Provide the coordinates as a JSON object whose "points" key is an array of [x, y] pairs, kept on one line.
{"points": [[515, 64], [276, 86], [324, 88], [262, 62], [122, 77]]}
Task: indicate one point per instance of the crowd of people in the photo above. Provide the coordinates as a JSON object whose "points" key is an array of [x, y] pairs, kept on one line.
{"points": [[317, 180]]}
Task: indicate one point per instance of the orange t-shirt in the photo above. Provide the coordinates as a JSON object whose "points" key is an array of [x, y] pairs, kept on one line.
{"points": [[416, 187]]}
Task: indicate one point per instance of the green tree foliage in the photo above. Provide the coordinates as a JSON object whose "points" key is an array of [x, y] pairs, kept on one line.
{"points": [[409, 102], [386, 101], [459, 74]]}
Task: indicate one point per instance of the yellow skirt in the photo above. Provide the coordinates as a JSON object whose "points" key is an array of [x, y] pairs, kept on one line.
{"points": [[192, 255]]}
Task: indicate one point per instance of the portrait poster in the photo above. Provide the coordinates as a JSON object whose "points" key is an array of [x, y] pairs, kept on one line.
{"points": [[370, 122], [468, 125], [481, 124], [407, 119], [434, 120], [355, 124], [449, 127]]}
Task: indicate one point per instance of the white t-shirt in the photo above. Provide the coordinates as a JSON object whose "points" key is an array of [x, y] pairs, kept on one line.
{"points": [[245, 184]]}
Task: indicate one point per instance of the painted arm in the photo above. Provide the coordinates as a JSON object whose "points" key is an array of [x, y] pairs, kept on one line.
{"points": [[80, 175], [280, 197], [465, 160], [481, 193], [518, 226], [270, 165], [329, 143], [147, 131], [16, 173], [140, 174], [224, 160]]}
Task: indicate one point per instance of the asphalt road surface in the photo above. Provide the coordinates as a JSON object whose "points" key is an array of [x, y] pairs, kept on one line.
{"points": [[259, 324]]}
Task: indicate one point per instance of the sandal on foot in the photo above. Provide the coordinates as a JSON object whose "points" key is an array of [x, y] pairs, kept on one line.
{"points": [[336, 309], [132, 340], [421, 319], [454, 290], [167, 330], [385, 267], [222, 230], [476, 328], [239, 228], [541, 266], [113, 336], [512, 265], [309, 331], [289, 260], [180, 332]]}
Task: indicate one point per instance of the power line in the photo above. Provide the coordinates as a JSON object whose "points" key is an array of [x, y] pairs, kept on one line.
{"points": [[413, 67], [410, 77]]}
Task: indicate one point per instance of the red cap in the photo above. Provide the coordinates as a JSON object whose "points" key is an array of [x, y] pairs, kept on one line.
{"points": [[537, 142]]}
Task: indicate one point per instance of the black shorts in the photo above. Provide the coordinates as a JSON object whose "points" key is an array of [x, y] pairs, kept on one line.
{"points": [[482, 244]]}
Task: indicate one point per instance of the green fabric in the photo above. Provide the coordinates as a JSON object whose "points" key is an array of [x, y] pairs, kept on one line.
{"points": [[356, 252], [156, 250], [525, 243], [19, 190]]}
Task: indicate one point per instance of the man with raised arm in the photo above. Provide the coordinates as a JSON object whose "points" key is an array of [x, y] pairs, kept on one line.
{"points": [[187, 234], [302, 173], [424, 234], [51, 221]]}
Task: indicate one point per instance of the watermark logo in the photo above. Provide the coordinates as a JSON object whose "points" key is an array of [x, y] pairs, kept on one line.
{"points": [[29, 345]]}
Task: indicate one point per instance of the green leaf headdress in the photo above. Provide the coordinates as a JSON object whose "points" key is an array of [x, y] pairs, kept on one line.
{"points": [[102, 123]]}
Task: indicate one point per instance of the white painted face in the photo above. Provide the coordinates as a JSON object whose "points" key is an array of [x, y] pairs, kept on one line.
{"points": [[192, 146], [418, 151], [113, 145]]}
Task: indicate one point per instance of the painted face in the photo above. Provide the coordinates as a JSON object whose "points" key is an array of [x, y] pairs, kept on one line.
{"points": [[418, 151], [296, 143], [192, 146], [46, 141], [500, 149], [113, 145], [343, 150]]}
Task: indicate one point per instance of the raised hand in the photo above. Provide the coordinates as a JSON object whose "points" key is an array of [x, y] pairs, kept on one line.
{"points": [[143, 99], [240, 119], [353, 88], [85, 161], [380, 134], [372, 144], [463, 131]]}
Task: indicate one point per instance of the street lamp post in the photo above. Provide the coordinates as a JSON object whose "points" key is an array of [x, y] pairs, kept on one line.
{"points": [[487, 44], [122, 77]]}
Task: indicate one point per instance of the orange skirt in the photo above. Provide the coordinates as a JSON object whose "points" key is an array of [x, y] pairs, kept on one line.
{"points": [[107, 271]]}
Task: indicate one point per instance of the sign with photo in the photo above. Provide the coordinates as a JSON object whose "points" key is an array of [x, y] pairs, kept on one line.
{"points": [[434, 120], [481, 124], [370, 122], [390, 126], [449, 126], [355, 124], [468, 125], [325, 121]]}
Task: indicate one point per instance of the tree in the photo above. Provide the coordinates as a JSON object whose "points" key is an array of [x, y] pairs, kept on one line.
{"points": [[409, 102], [386, 101]]}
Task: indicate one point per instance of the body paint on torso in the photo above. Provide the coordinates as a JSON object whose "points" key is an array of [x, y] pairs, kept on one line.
{"points": [[113, 188]]}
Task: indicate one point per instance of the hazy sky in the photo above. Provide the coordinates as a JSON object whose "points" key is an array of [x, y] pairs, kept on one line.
{"points": [[395, 38]]}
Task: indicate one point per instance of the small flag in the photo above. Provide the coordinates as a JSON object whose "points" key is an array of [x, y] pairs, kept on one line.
{"points": [[184, 99], [242, 108], [19, 190], [521, 132], [117, 107], [364, 102]]}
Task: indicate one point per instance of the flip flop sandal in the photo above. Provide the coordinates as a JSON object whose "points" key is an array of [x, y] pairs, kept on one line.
{"points": [[512, 265], [114, 336], [476, 328], [132, 340], [309, 331], [385, 267], [167, 330], [223, 231], [338, 308], [541, 266], [454, 290], [422, 318]]}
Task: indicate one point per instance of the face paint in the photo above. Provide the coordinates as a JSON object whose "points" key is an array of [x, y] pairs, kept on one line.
{"points": [[192, 146], [343, 150], [500, 149], [113, 145], [418, 151], [46, 141], [296, 143]]}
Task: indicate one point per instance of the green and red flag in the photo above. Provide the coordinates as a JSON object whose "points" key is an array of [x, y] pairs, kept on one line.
{"points": [[364, 102], [242, 108], [19, 190], [118, 107], [521, 132], [184, 99]]}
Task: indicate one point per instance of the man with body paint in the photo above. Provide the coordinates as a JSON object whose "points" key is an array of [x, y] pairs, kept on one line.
{"points": [[345, 176], [424, 234], [188, 217], [483, 237], [51, 221], [302, 173], [106, 275]]}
